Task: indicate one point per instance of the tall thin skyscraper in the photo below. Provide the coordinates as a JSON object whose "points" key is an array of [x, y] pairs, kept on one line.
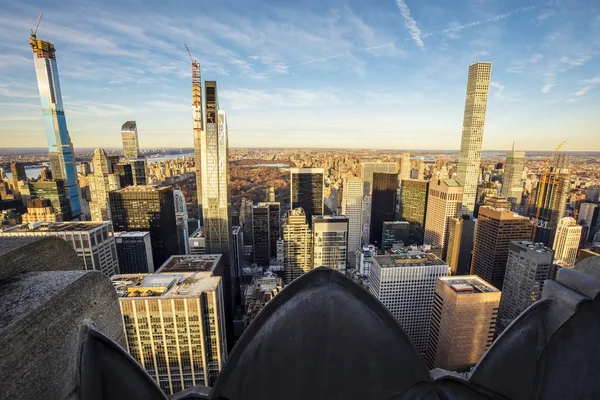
{"points": [[198, 132], [330, 241], [306, 191], [383, 204], [297, 242], [352, 197], [260, 233], [181, 216], [443, 204], [215, 175], [274, 225], [368, 168], [60, 148], [102, 181], [460, 244], [405, 166], [496, 228], [129, 135], [413, 204], [478, 85], [566, 242], [512, 183]]}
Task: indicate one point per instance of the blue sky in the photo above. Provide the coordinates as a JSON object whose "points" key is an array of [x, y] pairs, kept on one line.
{"points": [[365, 73]]}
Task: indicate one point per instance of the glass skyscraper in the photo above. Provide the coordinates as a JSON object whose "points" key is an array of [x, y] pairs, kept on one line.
{"points": [[306, 190], [60, 148]]}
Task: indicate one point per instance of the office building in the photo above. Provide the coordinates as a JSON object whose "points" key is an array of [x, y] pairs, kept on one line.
{"points": [[394, 233], [102, 181], [237, 257], [463, 322], [246, 220], [512, 182], [352, 199], [368, 168], [330, 242], [364, 260], [215, 175], [306, 191], [125, 173], [197, 243], [496, 201], [60, 148], [478, 85], [444, 202], [39, 210], [56, 192], [139, 170], [405, 166], [529, 265], [496, 228], [270, 195], [261, 235], [274, 225], [181, 218], [566, 242], [129, 135], [84, 168], [92, 241], [185, 294], [413, 206], [198, 132], [17, 170], [405, 285], [146, 208], [588, 218], [460, 244], [297, 241], [45, 174], [383, 204], [134, 251]]}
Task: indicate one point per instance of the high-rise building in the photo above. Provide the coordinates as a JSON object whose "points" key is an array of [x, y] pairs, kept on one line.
{"points": [[270, 195], [306, 191], [405, 166], [460, 244], [421, 169], [566, 242], [85, 168], [405, 285], [330, 242], [17, 170], [274, 225], [129, 135], [92, 241], [147, 208], [383, 204], [102, 181], [496, 201], [45, 174], [174, 321], [352, 197], [394, 232], [529, 265], [496, 228], [197, 244], [134, 251], [258, 294], [56, 192], [125, 173], [39, 210], [512, 183], [198, 131], [261, 235], [588, 218], [139, 170], [412, 207], [181, 217], [246, 219], [297, 251], [237, 257], [215, 175], [463, 322], [478, 85], [60, 148], [444, 202], [368, 168]]}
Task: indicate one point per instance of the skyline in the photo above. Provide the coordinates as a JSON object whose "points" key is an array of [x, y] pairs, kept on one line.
{"points": [[255, 58]]}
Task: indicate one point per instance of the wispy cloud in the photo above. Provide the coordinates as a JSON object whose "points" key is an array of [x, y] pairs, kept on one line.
{"points": [[589, 85], [256, 98], [499, 93], [536, 58], [550, 79], [545, 15], [575, 62], [410, 24]]}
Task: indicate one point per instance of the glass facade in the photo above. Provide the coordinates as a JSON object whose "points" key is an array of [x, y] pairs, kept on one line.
{"points": [[306, 186]]}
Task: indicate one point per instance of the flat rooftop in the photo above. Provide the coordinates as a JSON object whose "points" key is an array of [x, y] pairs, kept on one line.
{"points": [[191, 263], [198, 233], [531, 246], [407, 260], [55, 227], [141, 286], [318, 218], [468, 284], [140, 234]]}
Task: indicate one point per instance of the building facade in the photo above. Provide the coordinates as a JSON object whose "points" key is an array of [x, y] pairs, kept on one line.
{"points": [[297, 242], [394, 232], [181, 218], [260, 233], [56, 192], [413, 206], [478, 85], [352, 199], [330, 242], [444, 202], [129, 136], [383, 204], [134, 251], [274, 225], [566, 242], [463, 322], [512, 183], [460, 244], [102, 181], [307, 187]]}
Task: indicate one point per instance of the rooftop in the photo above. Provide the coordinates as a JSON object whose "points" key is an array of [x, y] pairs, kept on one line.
{"points": [[294, 170], [131, 234], [128, 126], [468, 284], [134, 286], [317, 218], [192, 263], [407, 260], [198, 233], [142, 188], [531, 246], [54, 227]]}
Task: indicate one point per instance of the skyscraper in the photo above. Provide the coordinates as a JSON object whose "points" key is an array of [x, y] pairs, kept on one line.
{"points": [[460, 244], [330, 242], [306, 191], [413, 204], [383, 204], [352, 197], [274, 225], [54, 191], [527, 268], [129, 135], [146, 208], [134, 251], [512, 183], [566, 242], [496, 228], [139, 170], [297, 241], [60, 148], [102, 181], [463, 322], [181, 217], [405, 285], [405, 166], [260, 233], [368, 168], [478, 85], [215, 175], [199, 133], [444, 203], [17, 170], [394, 232]]}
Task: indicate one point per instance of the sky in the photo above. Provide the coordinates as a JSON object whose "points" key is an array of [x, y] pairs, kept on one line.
{"points": [[381, 74]]}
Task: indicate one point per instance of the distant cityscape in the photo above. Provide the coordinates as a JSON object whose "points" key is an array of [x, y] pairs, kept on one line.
{"points": [[198, 241]]}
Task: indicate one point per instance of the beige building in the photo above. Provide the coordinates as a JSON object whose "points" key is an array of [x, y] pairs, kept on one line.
{"points": [[174, 321], [297, 245], [39, 210], [330, 241], [566, 241], [463, 322], [444, 203], [102, 181], [478, 85], [352, 203]]}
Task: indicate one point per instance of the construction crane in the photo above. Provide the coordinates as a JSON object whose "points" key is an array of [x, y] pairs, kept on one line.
{"points": [[542, 189], [37, 25]]}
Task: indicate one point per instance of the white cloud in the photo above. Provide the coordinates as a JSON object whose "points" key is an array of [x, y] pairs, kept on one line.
{"points": [[254, 98], [545, 15], [575, 62], [410, 24], [547, 88], [550, 78], [499, 94], [536, 58]]}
